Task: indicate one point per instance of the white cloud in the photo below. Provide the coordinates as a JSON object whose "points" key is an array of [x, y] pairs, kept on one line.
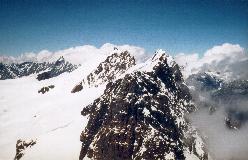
{"points": [[138, 52], [222, 58], [77, 55], [189, 61], [218, 53], [8, 59], [225, 58]]}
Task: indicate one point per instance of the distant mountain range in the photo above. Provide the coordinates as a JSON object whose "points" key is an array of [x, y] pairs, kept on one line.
{"points": [[43, 70]]}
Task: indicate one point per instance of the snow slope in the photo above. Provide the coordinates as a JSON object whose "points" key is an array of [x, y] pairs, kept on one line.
{"points": [[53, 118]]}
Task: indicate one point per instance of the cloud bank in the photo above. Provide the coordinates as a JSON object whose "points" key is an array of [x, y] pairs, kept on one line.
{"points": [[76, 55], [230, 60], [222, 143]]}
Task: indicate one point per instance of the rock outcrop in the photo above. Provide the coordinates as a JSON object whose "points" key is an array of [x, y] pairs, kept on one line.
{"points": [[21, 146], [46, 89], [77, 88]]}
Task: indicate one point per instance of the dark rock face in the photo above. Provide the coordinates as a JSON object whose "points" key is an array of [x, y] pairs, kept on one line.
{"points": [[21, 146], [27, 68], [44, 75], [114, 65], [77, 88], [46, 89], [142, 116]]}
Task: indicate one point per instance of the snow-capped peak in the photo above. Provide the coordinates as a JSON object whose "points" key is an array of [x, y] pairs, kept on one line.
{"points": [[108, 70], [162, 54]]}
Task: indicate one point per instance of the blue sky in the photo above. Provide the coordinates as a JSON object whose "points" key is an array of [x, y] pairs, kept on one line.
{"points": [[177, 26]]}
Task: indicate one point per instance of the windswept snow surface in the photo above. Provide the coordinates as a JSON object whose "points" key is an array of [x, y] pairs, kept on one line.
{"points": [[53, 118]]}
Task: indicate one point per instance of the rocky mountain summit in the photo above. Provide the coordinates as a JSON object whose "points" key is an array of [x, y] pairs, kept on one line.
{"points": [[112, 67], [46, 69], [142, 116]]}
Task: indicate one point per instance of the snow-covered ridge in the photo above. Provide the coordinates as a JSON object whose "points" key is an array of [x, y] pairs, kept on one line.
{"points": [[112, 67], [154, 60], [117, 64]]}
